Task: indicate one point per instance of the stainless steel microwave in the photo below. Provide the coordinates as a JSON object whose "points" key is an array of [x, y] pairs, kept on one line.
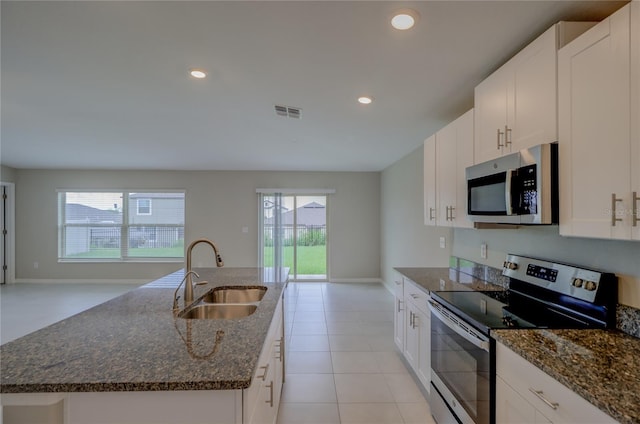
{"points": [[519, 188]]}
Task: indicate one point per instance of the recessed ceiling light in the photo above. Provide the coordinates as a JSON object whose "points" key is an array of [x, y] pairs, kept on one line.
{"points": [[197, 73], [404, 19], [365, 100]]}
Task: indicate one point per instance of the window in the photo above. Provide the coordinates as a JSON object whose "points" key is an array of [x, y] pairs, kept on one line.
{"points": [[120, 225], [144, 206], [294, 234]]}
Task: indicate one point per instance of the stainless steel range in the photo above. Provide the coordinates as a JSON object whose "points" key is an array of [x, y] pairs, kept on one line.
{"points": [[541, 294]]}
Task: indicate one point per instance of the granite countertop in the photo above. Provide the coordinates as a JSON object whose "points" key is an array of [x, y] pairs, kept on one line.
{"points": [[602, 366], [430, 279], [134, 343]]}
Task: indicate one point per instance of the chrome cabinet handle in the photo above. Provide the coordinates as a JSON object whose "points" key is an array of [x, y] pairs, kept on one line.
{"points": [[414, 321], [614, 201], [540, 395], [431, 217], [498, 138], [399, 308], [451, 209], [507, 136], [634, 213], [270, 401], [266, 371]]}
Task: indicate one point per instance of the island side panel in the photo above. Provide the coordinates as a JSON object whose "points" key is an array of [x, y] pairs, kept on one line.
{"points": [[170, 407]]}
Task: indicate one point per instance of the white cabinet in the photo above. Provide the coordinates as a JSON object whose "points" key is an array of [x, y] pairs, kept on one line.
{"points": [[516, 106], [525, 394], [430, 181], [417, 336], [262, 398], [599, 156], [446, 156], [398, 316], [635, 119]]}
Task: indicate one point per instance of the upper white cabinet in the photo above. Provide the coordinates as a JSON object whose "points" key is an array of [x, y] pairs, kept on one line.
{"points": [[599, 153], [446, 155], [635, 118], [430, 181], [516, 106]]}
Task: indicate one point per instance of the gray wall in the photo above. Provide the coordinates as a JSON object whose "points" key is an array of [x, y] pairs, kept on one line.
{"points": [[406, 241], [218, 205], [7, 174]]}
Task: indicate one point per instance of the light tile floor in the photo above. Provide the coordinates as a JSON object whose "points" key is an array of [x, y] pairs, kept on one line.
{"points": [[342, 364]]}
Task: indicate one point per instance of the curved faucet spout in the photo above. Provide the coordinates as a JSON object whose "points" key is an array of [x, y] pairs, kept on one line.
{"points": [[188, 287]]}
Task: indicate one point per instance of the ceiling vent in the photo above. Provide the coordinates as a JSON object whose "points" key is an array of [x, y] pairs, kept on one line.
{"points": [[288, 111]]}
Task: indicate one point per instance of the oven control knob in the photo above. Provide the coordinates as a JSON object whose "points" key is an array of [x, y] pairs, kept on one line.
{"points": [[513, 265], [590, 285], [577, 282]]}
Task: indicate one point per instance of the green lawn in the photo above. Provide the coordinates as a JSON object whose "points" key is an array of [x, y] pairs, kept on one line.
{"points": [[139, 252], [312, 260]]}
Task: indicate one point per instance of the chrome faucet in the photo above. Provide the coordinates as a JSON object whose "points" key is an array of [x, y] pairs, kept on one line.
{"points": [[175, 293], [188, 287]]}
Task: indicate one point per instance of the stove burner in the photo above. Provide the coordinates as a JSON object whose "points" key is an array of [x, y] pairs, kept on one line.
{"points": [[509, 322]]}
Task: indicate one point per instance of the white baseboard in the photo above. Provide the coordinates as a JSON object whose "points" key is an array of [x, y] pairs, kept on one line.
{"points": [[77, 281], [356, 280]]}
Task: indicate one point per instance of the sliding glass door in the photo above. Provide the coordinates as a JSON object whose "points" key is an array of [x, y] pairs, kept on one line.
{"points": [[294, 234]]}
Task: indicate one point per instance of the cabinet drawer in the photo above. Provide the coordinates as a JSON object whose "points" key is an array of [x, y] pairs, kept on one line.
{"points": [[416, 295], [554, 400]]}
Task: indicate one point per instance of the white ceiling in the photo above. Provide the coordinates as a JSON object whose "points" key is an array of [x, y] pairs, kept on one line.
{"points": [[104, 85]]}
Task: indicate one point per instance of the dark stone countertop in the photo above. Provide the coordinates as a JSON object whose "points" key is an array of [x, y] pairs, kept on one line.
{"points": [[134, 343], [602, 366], [430, 279]]}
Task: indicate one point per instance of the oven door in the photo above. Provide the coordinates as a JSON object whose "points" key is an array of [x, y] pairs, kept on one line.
{"points": [[460, 369]]}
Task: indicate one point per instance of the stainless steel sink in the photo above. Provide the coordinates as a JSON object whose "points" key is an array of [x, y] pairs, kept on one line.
{"points": [[218, 311], [235, 295]]}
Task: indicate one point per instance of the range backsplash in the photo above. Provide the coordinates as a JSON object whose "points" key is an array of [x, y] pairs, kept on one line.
{"points": [[627, 318]]}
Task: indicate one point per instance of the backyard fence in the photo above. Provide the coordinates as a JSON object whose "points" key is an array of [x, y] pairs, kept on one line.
{"points": [[310, 235]]}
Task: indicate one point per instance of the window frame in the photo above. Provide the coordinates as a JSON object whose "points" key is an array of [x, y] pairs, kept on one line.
{"points": [[138, 207], [125, 226]]}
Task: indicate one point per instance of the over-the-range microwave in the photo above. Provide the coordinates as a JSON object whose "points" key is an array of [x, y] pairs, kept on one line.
{"points": [[518, 188]]}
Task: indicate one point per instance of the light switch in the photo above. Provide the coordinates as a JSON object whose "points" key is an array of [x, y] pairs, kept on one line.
{"points": [[245, 230], [443, 242]]}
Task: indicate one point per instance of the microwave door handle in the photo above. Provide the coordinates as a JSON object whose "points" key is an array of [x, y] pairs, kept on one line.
{"points": [[507, 191]]}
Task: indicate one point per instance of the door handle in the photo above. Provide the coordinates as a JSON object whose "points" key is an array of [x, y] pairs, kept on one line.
{"points": [[614, 202]]}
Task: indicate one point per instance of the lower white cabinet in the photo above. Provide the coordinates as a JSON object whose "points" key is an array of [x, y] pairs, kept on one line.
{"points": [[526, 394], [413, 329], [263, 397]]}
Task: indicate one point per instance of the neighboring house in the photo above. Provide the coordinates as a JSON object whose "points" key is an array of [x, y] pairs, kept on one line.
{"points": [[310, 224], [155, 220]]}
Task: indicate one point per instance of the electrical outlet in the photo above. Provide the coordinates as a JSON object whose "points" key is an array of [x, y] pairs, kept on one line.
{"points": [[443, 242], [483, 250], [245, 230], [36, 265]]}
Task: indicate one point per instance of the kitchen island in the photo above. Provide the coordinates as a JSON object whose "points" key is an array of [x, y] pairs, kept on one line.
{"points": [[131, 360]]}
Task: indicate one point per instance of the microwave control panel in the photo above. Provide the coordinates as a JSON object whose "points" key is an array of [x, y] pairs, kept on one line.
{"points": [[528, 191]]}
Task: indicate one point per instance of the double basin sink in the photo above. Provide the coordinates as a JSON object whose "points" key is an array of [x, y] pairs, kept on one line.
{"points": [[226, 302]]}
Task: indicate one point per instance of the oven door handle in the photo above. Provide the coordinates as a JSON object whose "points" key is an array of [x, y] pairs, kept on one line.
{"points": [[469, 335]]}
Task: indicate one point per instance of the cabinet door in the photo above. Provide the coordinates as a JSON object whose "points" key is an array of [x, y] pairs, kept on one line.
{"points": [[464, 159], [532, 109], [446, 174], [429, 171], [423, 324], [490, 106], [411, 336], [398, 324], [594, 127], [635, 116]]}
